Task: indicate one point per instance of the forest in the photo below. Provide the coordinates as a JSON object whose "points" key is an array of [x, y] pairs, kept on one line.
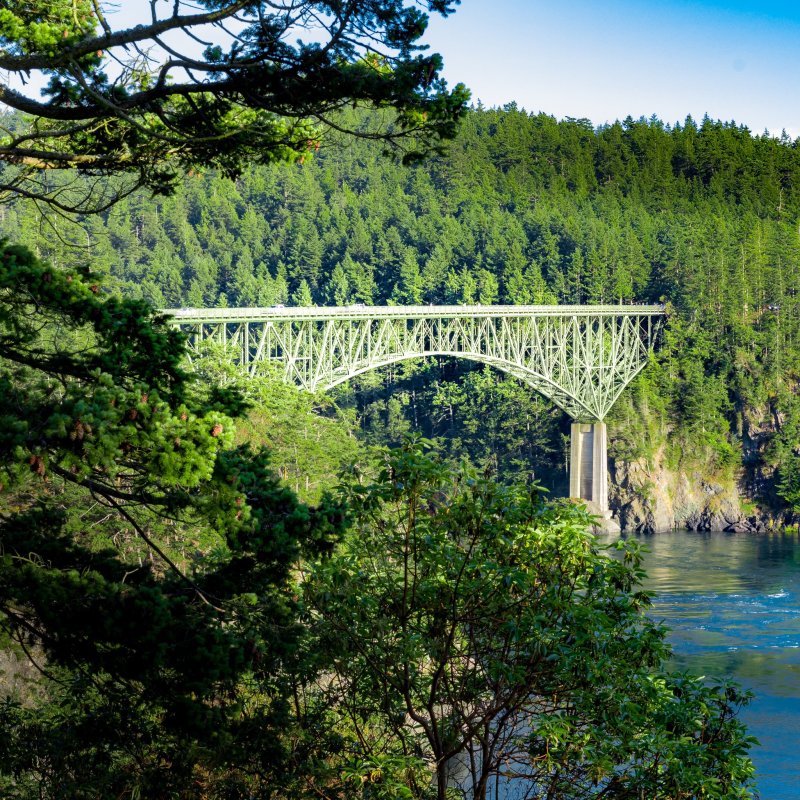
{"points": [[218, 587], [522, 208]]}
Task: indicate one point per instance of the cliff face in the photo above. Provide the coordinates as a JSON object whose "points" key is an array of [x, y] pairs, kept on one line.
{"points": [[649, 497], [646, 495], [661, 479]]}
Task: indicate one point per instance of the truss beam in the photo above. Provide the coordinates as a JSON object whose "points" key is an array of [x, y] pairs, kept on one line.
{"points": [[581, 357]]}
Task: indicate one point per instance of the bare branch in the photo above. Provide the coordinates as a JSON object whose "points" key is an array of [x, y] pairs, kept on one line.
{"points": [[49, 159], [162, 555]]}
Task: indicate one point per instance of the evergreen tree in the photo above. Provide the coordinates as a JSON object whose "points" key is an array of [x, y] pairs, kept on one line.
{"points": [[113, 463], [338, 293], [408, 289], [251, 97], [302, 295]]}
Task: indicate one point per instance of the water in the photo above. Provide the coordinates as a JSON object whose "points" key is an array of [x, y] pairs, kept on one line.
{"points": [[733, 603]]}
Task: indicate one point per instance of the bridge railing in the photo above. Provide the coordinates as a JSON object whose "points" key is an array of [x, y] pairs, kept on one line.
{"points": [[405, 312]]}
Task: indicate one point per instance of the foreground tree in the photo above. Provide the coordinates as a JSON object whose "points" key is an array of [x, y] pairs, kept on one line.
{"points": [[211, 84], [476, 642], [146, 561]]}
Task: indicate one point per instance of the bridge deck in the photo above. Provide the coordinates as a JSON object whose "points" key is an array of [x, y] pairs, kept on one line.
{"points": [[404, 312]]}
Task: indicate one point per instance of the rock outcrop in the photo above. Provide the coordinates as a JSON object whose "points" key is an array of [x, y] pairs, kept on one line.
{"points": [[647, 496]]}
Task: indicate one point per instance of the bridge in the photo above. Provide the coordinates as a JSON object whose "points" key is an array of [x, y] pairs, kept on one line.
{"points": [[581, 357]]}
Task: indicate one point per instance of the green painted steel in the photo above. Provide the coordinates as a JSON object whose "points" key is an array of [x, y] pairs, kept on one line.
{"points": [[581, 357]]}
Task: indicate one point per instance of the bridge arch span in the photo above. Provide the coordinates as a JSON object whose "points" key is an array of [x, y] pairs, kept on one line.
{"points": [[540, 383], [580, 357]]}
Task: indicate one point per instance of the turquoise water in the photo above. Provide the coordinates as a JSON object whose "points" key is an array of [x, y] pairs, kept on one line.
{"points": [[733, 603]]}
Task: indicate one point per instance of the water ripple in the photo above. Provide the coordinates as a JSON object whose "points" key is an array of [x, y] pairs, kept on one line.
{"points": [[732, 603]]}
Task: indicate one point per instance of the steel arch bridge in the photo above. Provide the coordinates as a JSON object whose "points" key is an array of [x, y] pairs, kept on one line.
{"points": [[581, 357]]}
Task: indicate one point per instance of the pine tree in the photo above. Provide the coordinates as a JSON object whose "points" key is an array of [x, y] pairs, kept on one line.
{"points": [[338, 291], [302, 295]]}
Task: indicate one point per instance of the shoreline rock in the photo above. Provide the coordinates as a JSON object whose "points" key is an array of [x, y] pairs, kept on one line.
{"points": [[648, 497]]}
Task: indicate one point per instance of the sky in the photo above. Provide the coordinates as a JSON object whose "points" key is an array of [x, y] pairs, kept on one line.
{"points": [[606, 60]]}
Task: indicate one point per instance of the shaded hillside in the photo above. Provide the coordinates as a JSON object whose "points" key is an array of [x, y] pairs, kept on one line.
{"points": [[523, 209]]}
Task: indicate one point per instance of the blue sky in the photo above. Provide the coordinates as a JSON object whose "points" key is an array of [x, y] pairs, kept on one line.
{"points": [[608, 59], [604, 60]]}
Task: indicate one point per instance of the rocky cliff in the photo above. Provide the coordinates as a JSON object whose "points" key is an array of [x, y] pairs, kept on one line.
{"points": [[646, 495], [661, 478]]}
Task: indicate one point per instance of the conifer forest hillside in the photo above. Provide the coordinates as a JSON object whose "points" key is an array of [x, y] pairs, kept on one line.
{"points": [[521, 209]]}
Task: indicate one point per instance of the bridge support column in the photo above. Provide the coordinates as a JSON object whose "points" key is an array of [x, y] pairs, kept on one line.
{"points": [[588, 463]]}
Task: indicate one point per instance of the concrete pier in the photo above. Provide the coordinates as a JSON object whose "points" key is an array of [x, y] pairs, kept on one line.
{"points": [[588, 463]]}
